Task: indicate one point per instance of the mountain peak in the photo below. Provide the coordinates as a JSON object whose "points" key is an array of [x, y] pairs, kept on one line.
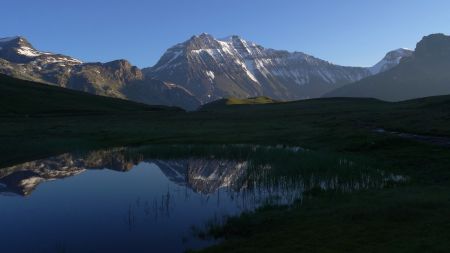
{"points": [[18, 50], [203, 40], [230, 38], [434, 46], [16, 41], [397, 54], [121, 63], [390, 60], [401, 50], [204, 35], [201, 36], [8, 39]]}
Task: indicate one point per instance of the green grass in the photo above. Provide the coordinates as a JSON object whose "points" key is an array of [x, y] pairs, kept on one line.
{"points": [[37, 122], [238, 101], [405, 219], [252, 101], [39, 119]]}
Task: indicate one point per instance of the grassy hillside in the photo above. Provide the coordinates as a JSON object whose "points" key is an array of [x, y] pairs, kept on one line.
{"points": [[39, 119], [25, 97], [411, 218], [339, 124], [226, 102]]}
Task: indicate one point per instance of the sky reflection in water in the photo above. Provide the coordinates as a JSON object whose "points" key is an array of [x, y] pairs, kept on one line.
{"points": [[117, 201]]}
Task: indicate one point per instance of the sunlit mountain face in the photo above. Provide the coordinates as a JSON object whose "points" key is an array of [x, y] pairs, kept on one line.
{"points": [[118, 78], [212, 68], [194, 72]]}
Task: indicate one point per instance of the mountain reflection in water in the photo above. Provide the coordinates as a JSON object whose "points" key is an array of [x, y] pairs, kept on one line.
{"points": [[149, 198]]}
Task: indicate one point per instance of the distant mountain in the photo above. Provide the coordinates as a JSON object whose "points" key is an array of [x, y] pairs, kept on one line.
{"points": [[18, 58], [391, 60], [425, 73], [19, 50], [215, 68], [198, 71]]}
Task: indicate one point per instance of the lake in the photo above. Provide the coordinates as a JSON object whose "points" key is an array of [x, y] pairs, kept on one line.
{"points": [[160, 198]]}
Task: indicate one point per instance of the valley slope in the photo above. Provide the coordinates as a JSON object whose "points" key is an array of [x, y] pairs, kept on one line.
{"points": [[20, 98]]}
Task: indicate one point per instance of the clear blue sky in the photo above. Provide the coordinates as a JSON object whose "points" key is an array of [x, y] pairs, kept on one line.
{"points": [[347, 32]]}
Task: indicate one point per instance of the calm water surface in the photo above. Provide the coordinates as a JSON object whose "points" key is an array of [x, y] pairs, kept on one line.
{"points": [[153, 199]]}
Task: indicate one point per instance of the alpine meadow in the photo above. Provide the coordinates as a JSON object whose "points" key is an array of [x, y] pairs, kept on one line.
{"points": [[224, 126]]}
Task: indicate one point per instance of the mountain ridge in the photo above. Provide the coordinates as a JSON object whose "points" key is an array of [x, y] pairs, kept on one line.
{"points": [[118, 78], [215, 68], [234, 67], [195, 72], [423, 74]]}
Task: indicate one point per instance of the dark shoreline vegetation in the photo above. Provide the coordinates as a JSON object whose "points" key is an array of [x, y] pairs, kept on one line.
{"points": [[41, 121]]}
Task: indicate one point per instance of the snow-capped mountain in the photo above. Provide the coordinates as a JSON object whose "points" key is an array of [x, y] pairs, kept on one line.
{"points": [[391, 60], [197, 71], [214, 68], [19, 50], [18, 58]]}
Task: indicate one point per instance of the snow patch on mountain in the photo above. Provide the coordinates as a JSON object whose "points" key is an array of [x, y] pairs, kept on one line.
{"points": [[391, 60], [27, 51], [211, 75], [243, 68]]}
